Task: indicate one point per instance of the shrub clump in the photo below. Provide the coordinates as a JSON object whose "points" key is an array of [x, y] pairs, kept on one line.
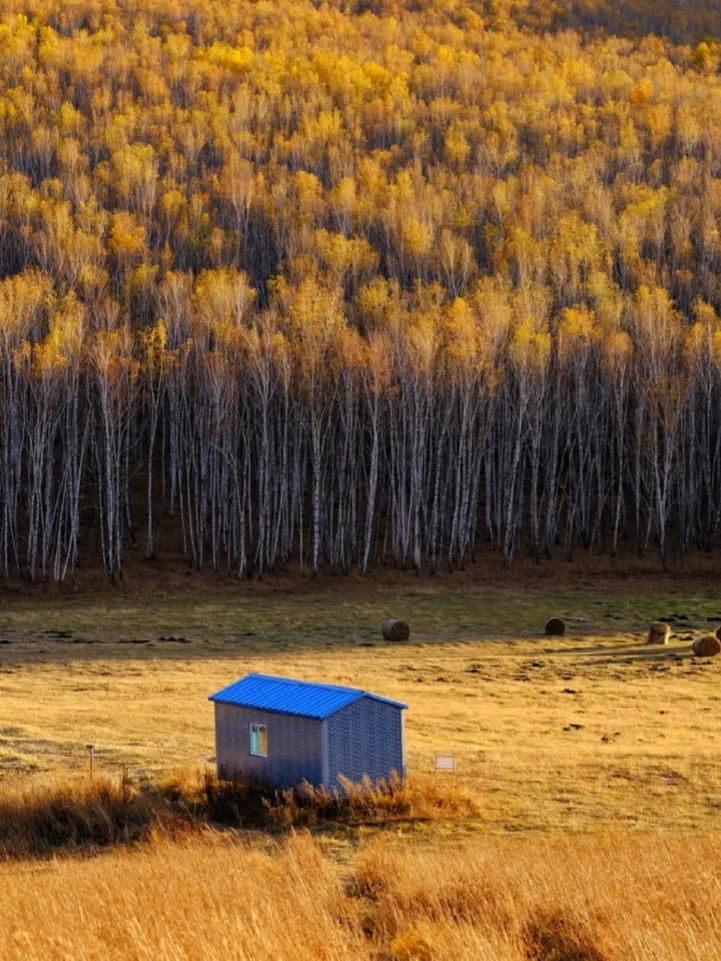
{"points": [[68, 814], [554, 937], [255, 804]]}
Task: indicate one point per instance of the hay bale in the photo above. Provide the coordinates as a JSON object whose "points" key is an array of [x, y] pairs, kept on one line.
{"points": [[707, 646], [394, 630], [718, 633], [555, 627], [659, 633]]}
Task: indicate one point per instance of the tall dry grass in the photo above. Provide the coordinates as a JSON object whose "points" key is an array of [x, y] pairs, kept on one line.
{"points": [[617, 898], [613, 898], [246, 804], [178, 902], [68, 814]]}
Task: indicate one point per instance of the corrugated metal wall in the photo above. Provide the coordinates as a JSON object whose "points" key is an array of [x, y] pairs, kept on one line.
{"points": [[365, 738], [294, 746]]}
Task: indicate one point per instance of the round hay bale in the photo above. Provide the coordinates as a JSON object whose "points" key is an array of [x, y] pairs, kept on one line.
{"points": [[718, 633], [659, 633], [394, 630], [555, 627], [707, 646]]}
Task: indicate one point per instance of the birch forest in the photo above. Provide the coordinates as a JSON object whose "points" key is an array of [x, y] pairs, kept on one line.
{"points": [[337, 285]]}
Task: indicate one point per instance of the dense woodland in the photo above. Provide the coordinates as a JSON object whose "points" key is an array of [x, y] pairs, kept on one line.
{"points": [[357, 283]]}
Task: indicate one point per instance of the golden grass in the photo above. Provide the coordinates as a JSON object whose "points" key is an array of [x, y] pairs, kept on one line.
{"points": [[616, 897], [566, 733], [68, 815], [381, 804], [176, 902], [550, 733], [611, 898], [572, 741], [72, 814]]}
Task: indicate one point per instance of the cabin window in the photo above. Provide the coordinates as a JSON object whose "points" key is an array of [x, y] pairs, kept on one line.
{"points": [[259, 740]]}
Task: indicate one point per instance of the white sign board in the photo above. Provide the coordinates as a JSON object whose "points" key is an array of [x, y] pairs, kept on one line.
{"points": [[445, 762]]}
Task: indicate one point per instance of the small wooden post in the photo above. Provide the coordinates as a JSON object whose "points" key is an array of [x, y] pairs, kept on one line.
{"points": [[90, 748]]}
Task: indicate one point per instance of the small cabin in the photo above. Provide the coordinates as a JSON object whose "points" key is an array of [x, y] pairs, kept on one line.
{"points": [[284, 731]]}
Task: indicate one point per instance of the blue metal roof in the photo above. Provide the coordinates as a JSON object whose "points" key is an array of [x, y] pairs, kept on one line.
{"points": [[287, 696]]}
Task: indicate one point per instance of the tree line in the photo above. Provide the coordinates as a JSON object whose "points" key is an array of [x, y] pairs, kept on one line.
{"points": [[290, 435], [357, 283]]}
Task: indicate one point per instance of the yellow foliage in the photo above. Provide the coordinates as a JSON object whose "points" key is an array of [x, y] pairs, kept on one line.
{"points": [[530, 346], [577, 330], [459, 327], [127, 238], [617, 351], [557, 186], [237, 60], [222, 296], [457, 148], [417, 237]]}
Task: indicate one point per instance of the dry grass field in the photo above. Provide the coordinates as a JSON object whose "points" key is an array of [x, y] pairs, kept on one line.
{"points": [[608, 898], [590, 729], [591, 761]]}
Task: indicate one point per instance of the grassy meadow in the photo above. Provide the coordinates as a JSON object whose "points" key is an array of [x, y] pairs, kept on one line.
{"points": [[571, 733], [608, 898], [589, 763]]}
